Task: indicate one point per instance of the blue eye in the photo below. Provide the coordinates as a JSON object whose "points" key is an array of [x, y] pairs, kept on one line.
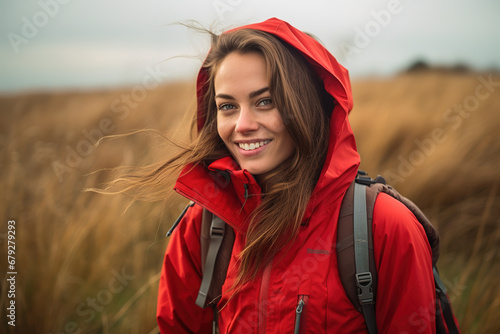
{"points": [[225, 106], [265, 102]]}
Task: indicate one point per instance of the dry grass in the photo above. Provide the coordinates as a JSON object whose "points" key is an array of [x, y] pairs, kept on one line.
{"points": [[71, 245], [452, 176]]}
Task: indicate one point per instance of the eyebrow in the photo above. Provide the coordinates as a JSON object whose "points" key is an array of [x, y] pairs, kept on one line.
{"points": [[251, 95]]}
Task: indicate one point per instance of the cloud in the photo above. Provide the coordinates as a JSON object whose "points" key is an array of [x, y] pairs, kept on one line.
{"points": [[95, 43]]}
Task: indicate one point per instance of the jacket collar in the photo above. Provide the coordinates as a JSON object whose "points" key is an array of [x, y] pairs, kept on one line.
{"points": [[223, 188]]}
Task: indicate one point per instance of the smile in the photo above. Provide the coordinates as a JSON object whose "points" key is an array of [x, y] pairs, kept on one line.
{"points": [[253, 146]]}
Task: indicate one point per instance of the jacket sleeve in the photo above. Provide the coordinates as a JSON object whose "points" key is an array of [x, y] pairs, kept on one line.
{"points": [[405, 293], [180, 280]]}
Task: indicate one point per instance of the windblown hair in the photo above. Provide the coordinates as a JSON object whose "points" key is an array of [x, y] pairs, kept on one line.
{"points": [[304, 105], [299, 95]]}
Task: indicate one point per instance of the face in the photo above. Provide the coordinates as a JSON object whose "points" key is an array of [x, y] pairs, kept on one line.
{"points": [[247, 120]]}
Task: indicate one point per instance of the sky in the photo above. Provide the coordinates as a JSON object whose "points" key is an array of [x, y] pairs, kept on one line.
{"points": [[92, 44]]}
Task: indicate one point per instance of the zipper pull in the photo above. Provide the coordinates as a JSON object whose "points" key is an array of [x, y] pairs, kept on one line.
{"points": [[174, 225], [246, 192], [298, 313], [245, 195], [300, 306]]}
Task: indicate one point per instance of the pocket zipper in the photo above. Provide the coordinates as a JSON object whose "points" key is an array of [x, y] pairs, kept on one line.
{"points": [[298, 314]]}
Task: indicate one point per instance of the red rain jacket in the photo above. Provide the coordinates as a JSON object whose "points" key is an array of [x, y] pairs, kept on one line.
{"points": [[308, 268]]}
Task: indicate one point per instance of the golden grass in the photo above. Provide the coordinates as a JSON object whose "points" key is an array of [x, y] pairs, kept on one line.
{"points": [[453, 177], [71, 245]]}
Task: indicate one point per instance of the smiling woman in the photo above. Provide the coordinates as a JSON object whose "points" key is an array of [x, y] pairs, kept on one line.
{"points": [[248, 122], [273, 157]]}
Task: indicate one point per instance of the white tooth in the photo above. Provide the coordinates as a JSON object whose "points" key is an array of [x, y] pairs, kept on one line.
{"points": [[253, 146]]}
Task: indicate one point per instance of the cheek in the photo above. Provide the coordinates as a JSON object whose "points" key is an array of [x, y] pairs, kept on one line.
{"points": [[276, 124], [223, 129], [281, 130]]}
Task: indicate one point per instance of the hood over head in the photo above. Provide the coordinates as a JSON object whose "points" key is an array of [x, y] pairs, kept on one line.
{"points": [[342, 159]]}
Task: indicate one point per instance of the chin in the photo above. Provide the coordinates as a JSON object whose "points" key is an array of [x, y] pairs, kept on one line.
{"points": [[255, 171]]}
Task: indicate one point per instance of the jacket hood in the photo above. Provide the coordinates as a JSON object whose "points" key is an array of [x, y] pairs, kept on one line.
{"points": [[342, 159]]}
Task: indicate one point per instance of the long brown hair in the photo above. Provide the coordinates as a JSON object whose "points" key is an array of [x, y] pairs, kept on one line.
{"points": [[299, 95]]}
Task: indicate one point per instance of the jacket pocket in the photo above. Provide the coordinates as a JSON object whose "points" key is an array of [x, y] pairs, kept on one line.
{"points": [[300, 314]]}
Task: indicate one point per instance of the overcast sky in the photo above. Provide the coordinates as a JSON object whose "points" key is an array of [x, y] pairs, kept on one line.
{"points": [[72, 44]]}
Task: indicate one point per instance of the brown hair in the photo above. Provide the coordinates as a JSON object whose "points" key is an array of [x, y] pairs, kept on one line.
{"points": [[299, 95]]}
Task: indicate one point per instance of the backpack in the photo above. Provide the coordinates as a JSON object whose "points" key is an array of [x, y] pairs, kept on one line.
{"points": [[356, 262]]}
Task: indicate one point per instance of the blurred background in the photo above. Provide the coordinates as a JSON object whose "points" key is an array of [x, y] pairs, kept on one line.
{"points": [[426, 112], [88, 44]]}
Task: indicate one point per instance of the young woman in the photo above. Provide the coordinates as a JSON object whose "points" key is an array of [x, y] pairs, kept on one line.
{"points": [[273, 158]]}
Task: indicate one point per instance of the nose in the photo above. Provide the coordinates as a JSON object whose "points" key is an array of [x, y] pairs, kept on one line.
{"points": [[246, 121]]}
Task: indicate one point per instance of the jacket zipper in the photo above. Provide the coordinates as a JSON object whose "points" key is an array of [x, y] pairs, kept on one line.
{"points": [[299, 311]]}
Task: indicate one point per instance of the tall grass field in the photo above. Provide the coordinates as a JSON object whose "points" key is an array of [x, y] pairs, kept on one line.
{"points": [[90, 263]]}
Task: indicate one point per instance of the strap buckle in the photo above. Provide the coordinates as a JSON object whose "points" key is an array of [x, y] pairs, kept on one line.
{"points": [[365, 292], [363, 178], [217, 230]]}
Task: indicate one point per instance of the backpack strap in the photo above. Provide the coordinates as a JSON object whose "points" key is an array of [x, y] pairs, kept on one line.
{"points": [[364, 278], [216, 234], [345, 247], [216, 241], [445, 320]]}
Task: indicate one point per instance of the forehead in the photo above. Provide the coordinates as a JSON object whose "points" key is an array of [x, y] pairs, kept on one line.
{"points": [[239, 70]]}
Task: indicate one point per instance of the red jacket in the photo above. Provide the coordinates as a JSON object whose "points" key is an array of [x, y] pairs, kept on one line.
{"points": [[307, 269]]}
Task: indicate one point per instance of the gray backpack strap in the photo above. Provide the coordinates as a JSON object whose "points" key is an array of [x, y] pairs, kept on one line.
{"points": [[364, 278], [215, 257], [216, 234], [345, 245]]}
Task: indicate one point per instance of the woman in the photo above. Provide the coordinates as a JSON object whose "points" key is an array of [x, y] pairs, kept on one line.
{"points": [[272, 121]]}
